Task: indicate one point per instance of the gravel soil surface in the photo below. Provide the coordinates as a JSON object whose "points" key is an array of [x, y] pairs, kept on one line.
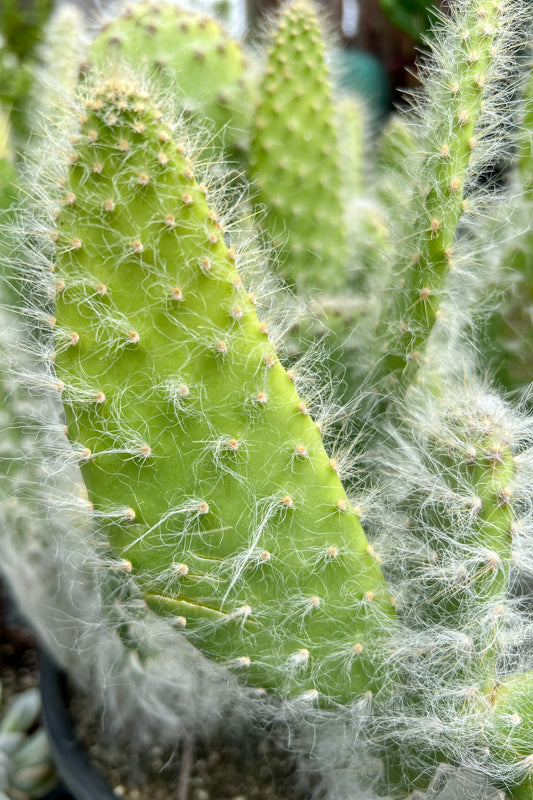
{"points": [[256, 769]]}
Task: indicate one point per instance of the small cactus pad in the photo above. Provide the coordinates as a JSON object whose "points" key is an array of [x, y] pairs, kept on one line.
{"points": [[188, 51], [294, 156], [203, 464]]}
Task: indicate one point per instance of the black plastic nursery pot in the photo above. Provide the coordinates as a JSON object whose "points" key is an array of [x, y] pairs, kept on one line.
{"points": [[79, 776], [239, 764]]}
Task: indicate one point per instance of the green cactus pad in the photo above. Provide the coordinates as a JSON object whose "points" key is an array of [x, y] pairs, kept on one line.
{"points": [[189, 52], [294, 154], [204, 465]]}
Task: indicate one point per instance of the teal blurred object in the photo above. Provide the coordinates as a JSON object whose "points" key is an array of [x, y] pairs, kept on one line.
{"points": [[412, 16], [365, 75]]}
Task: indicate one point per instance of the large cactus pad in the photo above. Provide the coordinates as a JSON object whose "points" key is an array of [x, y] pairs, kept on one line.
{"points": [[204, 465]]}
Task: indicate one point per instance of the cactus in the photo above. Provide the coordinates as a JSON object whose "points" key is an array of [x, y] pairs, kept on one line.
{"points": [[189, 52], [248, 453], [26, 769], [509, 346], [195, 503], [294, 154], [454, 137]]}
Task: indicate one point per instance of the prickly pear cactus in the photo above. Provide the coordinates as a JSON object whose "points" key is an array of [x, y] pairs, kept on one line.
{"points": [[351, 124], [204, 465], [294, 154], [188, 51], [26, 769]]}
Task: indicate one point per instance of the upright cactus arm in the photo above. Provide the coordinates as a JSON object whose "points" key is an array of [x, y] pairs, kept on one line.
{"points": [[471, 443], [455, 130], [295, 155], [460, 481], [191, 53], [205, 468]]}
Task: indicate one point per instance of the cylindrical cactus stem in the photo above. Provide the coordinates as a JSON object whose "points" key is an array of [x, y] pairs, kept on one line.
{"points": [[456, 131], [294, 154], [471, 566], [207, 473], [351, 123], [459, 550], [191, 54]]}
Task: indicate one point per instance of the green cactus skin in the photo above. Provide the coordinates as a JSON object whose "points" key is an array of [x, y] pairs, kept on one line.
{"points": [[512, 728], [509, 345], [449, 138], [189, 52], [338, 318], [26, 768], [456, 595], [475, 459], [202, 462], [294, 154]]}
